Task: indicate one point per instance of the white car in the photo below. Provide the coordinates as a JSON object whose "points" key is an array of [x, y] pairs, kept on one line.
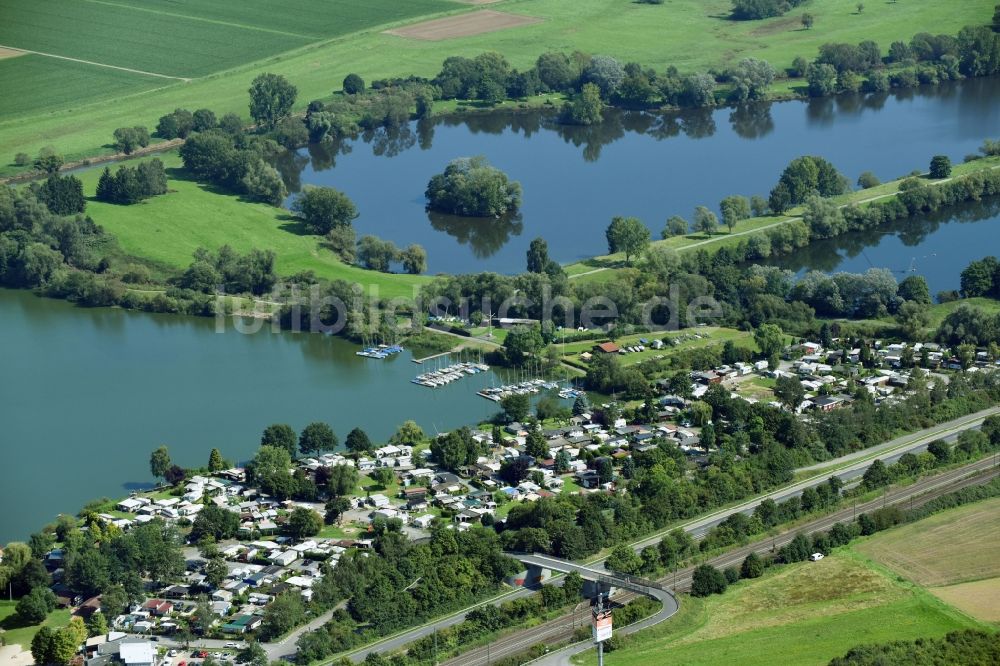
{"points": [[816, 557], [230, 644], [172, 653]]}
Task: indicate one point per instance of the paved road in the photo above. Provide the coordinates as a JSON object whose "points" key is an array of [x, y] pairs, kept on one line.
{"points": [[913, 442], [562, 629]]}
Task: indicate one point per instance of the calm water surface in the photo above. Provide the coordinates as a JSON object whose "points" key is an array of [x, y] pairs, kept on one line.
{"points": [[86, 394], [576, 179]]}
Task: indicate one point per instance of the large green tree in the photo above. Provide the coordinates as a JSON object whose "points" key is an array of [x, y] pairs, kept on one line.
{"points": [[316, 438], [280, 435], [627, 235], [324, 208], [159, 462], [271, 99]]}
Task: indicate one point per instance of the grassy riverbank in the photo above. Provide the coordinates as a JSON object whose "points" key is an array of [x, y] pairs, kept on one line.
{"points": [[690, 34], [166, 230]]}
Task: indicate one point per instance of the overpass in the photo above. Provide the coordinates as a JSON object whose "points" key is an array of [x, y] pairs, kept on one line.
{"points": [[603, 582]]}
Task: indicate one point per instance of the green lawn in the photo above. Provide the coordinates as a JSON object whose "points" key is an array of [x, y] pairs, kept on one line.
{"points": [[15, 633], [691, 34], [169, 228], [941, 310], [801, 614]]}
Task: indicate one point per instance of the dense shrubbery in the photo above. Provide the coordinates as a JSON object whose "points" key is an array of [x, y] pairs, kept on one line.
{"points": [[958, 647], [131, 185], [408, 582], [63, 195], [470, 186], [749, 10], [236, 163]]}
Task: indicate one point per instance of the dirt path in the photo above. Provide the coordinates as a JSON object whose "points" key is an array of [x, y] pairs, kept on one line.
{"points": [[100, 64], [716, 239]]}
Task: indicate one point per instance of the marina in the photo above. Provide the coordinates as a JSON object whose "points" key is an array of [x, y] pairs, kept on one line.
{"points": [[449, 374], [529, 387], [380, 352]]}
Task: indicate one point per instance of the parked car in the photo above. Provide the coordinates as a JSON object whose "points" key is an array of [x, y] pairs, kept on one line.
{"points": [[816, 557], [172, 653]]}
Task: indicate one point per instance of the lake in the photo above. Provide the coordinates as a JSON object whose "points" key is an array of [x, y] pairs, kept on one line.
{"points": [[87, 394], [652, 166], [937, 246]]}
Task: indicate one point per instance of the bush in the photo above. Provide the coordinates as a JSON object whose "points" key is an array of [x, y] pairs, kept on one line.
{"points": [[708, 580], [354, 84], [868, 180], [22, 159], [940, 166]]}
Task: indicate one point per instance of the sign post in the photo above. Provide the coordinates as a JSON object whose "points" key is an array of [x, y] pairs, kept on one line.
{"points": [[601, 627]]}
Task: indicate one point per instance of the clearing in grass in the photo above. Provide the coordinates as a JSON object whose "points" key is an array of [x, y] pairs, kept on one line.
{"points": [[167, 229], [950, 547], [464, 25]]}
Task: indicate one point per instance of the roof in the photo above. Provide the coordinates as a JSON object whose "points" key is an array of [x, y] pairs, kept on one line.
{"points": [[607, 347], [137, 653]]}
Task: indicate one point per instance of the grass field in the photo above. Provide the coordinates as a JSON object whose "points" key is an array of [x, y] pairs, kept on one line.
{"points": [[802, 614], [950, 547], [689, 339], [169, 228], [691, 34], [14, 632]]}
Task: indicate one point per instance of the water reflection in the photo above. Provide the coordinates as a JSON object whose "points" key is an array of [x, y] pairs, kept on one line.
{"points": [[574, 173], [937, 245], [484, 235], [752, 121]]}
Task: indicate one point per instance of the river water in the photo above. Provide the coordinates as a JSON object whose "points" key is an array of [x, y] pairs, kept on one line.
{"points": [[575, 179], [86, 394]]}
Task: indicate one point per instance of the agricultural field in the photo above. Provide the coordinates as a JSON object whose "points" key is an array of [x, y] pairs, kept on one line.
{"points": [[807, 613], [34, 83], [691, 34], [950, 547], [167, 229]]}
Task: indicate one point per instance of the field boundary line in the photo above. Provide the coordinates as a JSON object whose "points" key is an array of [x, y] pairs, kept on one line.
{"points": [[202, 19], [99, 64]]}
